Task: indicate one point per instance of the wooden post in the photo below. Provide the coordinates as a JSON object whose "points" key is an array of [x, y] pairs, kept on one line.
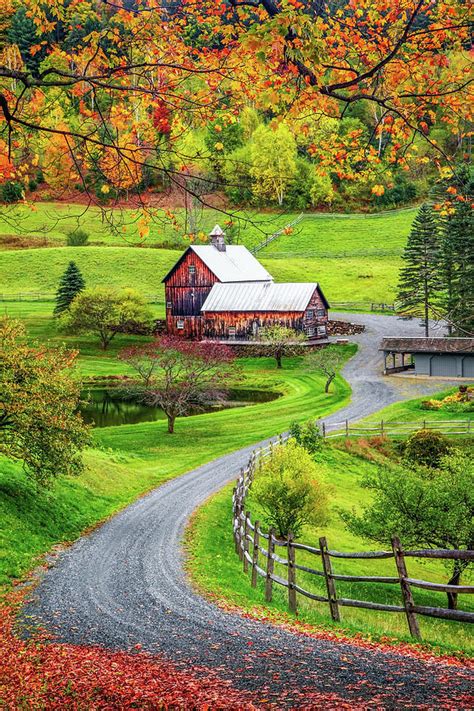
{"points": [[381, 428], [330, 584], [246, 541], [256, 540], [347, 428], [270, 566], [405, 587], [324, 430], [239, 533], [290, 551]]}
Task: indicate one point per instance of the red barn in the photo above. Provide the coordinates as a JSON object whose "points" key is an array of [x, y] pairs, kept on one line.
{"points": [[221, 291]]}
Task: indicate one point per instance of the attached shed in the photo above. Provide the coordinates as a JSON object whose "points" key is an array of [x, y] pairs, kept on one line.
{"points": [[239, 311], [442, 357]]}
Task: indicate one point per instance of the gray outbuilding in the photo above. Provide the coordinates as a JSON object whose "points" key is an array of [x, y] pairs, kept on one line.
{"points": [[441, 357]]}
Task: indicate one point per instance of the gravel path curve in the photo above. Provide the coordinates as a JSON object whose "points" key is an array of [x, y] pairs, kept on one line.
{"points": [[124, 584]]}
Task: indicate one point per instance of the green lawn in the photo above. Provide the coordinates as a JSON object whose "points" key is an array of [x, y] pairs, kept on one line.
{"points": [[345, 235], [317, 233], [39, 270], [411, 410], [216, 569], [132, 459]]}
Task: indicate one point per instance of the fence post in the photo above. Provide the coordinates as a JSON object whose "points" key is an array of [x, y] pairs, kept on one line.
{"points": [[246, 541], [270, 566], [347, 428], [381, 428], [256, 541], [324, 430], [290, 551], [239, 532], [330, 584], [405, 587]]}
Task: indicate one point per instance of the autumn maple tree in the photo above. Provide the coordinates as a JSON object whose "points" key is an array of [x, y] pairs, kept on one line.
{"points": [[118, 85]]}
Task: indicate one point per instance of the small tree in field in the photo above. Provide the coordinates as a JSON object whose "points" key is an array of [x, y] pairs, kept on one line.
{"points": [[328, 361], [70, 284], [280, 339], [106, 312], [288, 490], [425, 507], [39, 423], [181, 376]]}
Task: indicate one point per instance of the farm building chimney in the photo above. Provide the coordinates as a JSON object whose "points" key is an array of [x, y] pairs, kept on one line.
{"points": [[218, 238]]}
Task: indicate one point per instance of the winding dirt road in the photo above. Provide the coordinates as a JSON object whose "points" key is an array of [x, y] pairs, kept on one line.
{"points": [[124, 585]]}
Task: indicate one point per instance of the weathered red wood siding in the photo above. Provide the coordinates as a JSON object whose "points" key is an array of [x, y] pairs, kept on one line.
{"points": [[185, 293], [248, 323]]}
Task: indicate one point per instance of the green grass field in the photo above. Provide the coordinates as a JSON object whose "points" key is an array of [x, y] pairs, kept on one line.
{"points": [[215, 568], [131, 459], [411, 410], [45, 222], [38, 270]]}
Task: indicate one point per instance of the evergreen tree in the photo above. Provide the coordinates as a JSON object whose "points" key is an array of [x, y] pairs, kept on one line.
{"points": [[458, 270], [456, 298], [70, 284], [419, 277], [22, 32]]}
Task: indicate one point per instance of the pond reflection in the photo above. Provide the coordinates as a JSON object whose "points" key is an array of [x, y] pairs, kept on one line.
{"points": [[109, 407]]}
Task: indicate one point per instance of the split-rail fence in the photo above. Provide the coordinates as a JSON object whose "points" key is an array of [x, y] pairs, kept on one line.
{"points": [[394, 429], [257, 550]]}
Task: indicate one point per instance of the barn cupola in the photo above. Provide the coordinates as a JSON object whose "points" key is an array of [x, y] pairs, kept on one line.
{"points": [[218, 238]]}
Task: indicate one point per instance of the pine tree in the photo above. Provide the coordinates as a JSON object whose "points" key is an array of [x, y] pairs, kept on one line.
{"points": [[458, 269], [23, 33], [456, 298], [419, 280], [70, 284]]}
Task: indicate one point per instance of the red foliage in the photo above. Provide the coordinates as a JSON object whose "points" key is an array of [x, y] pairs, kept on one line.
{"points": [[35, 674], [162, 118]]}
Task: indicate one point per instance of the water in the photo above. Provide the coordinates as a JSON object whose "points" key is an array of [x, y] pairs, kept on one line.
{"points": [[106, 407]]}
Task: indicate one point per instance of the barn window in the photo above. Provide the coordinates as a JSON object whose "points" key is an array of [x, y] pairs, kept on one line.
{"points": [[231, 331], [321, 312], [310, 332], [310, 313], [321, 330], [180, 324], [169, 304], [192, 269]]}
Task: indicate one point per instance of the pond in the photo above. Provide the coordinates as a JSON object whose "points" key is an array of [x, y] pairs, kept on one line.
{"points": [[107, 407]]}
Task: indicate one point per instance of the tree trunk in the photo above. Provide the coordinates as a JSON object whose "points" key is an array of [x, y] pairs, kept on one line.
{"points": [[278, 360], [171, 419], [453, 596], [427, 325], [328, 383]]}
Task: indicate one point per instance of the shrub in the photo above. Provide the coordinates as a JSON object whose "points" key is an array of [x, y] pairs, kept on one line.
{"points": [[11, 191], [32, 185], [78, 238], [287, 489], [307, 436], [426, 447]]}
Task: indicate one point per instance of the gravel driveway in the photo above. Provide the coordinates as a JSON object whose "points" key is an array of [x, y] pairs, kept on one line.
{"points": [[124, 584]]}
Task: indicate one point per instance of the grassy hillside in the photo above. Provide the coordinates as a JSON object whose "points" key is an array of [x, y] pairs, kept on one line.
{"points": [[39, 270], [217, 569], [50, 223], [132, 459], [345, 235]]}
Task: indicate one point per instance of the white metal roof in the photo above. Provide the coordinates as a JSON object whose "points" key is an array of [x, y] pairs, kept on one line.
{"points": [[235, 264], [263, 296]]}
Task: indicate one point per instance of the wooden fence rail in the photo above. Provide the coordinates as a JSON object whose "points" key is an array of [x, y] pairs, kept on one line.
{"points": [[348, 429], [257, 551]]}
